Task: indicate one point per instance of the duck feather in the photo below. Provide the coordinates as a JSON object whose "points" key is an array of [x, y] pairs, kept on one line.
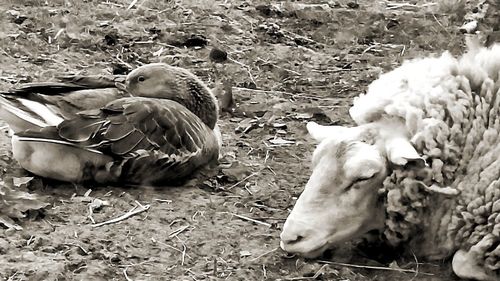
{"points": [[149, 125], [155, 132]]}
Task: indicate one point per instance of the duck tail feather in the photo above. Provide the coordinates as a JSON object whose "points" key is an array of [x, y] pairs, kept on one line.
{"points": [[30, 90], [18, 117]]}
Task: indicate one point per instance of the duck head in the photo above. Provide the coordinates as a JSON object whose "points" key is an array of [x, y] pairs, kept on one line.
{"points": [[159, 80]]}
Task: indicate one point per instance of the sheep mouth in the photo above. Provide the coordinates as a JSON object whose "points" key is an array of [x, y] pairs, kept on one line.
{"points": [[339, 238], [308, 253], [317, 253], [315, 248]]}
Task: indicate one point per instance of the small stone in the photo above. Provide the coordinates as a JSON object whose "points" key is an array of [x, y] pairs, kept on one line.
{"points": [[218, 55], [245, 253], [353, 5]]}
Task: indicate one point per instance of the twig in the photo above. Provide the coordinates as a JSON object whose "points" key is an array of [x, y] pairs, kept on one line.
{"points": [[374, 267], [214, 269], [95, 204], [316, 275], [252, 220], [308, 50], [132, 4], [246, 178], [174, 221], [399, 5], [112, 4], [59, 33], [277, 66], [8, 79], [123, 62], [303, 37], [193, 218], [301, 95], [416, 269], [369, 48], [79, 269], [271, 169], [127, 266], [391, 6], [7, 54], [173, 248], [177, 231], [30, 240], [126, 275], [134, 211], [246, 67], [12, 276], [295, 278], [263, 91], [269, 218], [163, 200], [247, 189], [79, 246], [329, 70], [193, 275], [139, 204], [266, 253], [440, 24], [155, 43], [184, 248]]}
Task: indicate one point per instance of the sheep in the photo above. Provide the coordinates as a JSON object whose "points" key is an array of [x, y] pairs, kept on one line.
{"points": [[421, 166]]}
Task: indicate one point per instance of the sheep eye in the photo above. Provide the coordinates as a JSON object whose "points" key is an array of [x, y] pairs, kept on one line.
{"points": [[141, 79], [363, 179], [359, 180]]}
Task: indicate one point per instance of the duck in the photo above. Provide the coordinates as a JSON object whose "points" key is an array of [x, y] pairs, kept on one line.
{"points": [[155, 126]]}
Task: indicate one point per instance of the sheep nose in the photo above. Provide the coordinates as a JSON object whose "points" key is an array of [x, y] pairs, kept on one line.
{"points": [[292, 234], [290, 239]]}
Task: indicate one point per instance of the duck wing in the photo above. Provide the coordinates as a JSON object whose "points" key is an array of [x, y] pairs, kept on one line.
{"points": [[65, 85], [93, 81], [150, 140], [36, 105]]}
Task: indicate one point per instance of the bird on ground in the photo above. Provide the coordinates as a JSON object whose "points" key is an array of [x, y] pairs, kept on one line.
{"points": [[156, 126]]}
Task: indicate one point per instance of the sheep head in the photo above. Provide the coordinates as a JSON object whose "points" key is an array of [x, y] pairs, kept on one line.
{"points": [[341, 200]]}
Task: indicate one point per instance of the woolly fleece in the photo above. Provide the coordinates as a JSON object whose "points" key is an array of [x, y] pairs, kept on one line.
{"points": [[451, 110]]}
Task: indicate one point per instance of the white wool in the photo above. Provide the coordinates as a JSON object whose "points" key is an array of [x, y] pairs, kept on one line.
{"points": [[411, 84], [403, 91], [451, 109]]}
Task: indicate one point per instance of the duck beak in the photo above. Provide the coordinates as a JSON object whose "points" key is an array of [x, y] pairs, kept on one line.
{"points": [[121, 86]]}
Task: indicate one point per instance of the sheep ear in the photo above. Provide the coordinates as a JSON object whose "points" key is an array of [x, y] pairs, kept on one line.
{"points": [[319, 132], [401, 152], [363, 167]]}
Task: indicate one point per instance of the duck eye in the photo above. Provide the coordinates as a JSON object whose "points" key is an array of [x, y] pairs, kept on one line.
{"points": [[141, 78]]}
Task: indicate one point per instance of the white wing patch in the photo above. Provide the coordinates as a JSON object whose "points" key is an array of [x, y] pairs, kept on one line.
{"points": [[5, 104], [43, 111], [29, 139]]}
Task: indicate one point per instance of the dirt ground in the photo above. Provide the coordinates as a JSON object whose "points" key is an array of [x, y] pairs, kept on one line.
{"points": [[289, 63]]}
